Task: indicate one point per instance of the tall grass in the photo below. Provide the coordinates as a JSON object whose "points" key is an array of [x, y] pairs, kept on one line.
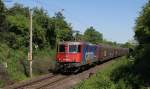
{"points": [[112, 77]]}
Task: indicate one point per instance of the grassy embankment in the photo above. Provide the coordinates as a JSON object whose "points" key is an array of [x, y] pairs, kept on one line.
{"points": [[119, 74], [18, 65]]}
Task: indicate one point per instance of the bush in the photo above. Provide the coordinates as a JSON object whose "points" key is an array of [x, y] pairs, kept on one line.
{"points": [[1, 83], [103, 79], [126, 78], [4, 53], [12, 59], [43, 61], [121, 74], [17, 65], [15, 68], [99, 81], [4, 77]]}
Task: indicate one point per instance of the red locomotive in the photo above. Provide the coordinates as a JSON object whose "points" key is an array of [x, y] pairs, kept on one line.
{"points": [[74, 55]]}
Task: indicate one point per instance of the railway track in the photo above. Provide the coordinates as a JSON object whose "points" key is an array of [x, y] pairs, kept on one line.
{"points": [[58, 81], [45, 82], [38, 83], [69, 82]]}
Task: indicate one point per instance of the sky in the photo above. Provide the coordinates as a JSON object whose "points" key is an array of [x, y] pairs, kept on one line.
{"points": [[115, 19]]}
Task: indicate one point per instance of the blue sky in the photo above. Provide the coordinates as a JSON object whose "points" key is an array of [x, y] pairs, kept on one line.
{"points": [[115, 19]]}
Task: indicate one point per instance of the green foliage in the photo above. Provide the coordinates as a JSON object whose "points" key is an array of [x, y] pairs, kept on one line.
{"points": [[14, 65], [142, 28], [4, 53], [14, 39], [1, 83], [19, 27], [93, 36], [18, 9], [18, 65], [78, 36], [114, 44], [64, 34], [2, 16], [142, 62], [103, 79], [46, 30], [12, 58], [97, 82], [142, 35], [59, 16], [43, 61], [41, 26], [63, 29], [127, 45], [120, 74], [17, 32], [125, 76]]}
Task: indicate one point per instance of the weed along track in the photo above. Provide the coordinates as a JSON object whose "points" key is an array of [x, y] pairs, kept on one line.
{"points": [[40, 83], [52, 82], [46, 82], [58, 81], [37, 82]]}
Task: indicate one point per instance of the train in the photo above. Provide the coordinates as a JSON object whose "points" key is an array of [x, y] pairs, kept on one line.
{"points": [[75, 55]]}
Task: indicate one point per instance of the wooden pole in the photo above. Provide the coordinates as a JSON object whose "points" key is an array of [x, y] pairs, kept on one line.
{"points": [[30, 44]]}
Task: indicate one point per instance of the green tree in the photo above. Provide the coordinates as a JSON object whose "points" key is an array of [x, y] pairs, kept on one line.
{"points": [[59, 15], [42, 21], [62, 28], [18, 9], [17, 31], [142, 35], [58, 29], [2, 21], [93, 36], [17, 35], [2, 16], [142, 28], [78, 36]]}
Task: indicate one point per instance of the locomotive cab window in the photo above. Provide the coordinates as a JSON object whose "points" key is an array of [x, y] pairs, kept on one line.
{"points": [[61, 48], [74, 48]]}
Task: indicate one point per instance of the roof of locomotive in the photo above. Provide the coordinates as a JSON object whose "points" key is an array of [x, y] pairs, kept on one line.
{"points": [[74, 43], [79, 43]]}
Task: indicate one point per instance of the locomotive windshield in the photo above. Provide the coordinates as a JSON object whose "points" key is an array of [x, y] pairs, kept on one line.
{"points": [[61, 48], [74, 48]]}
